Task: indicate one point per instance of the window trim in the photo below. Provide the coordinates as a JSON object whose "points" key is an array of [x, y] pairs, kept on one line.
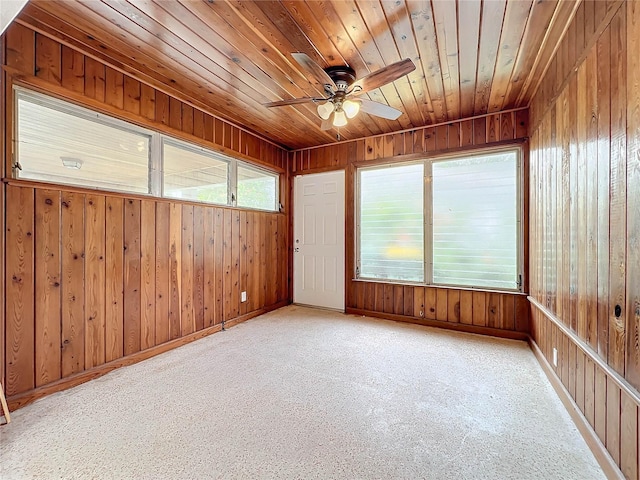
{"points": [[276, 206], [78, 111], [190, 147], [428, 162], [156, 138]]}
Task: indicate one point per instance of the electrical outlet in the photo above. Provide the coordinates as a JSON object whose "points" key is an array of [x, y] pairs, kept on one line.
{"points": [[555, 357], [243, 296]]}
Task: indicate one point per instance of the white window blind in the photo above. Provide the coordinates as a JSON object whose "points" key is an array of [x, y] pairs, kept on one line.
{"points": [[475, 221], [392, 223]]}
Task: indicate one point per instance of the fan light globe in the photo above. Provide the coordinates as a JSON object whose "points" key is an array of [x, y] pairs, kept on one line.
{"points": [[351, 108], [324, 110], [339, 119]]}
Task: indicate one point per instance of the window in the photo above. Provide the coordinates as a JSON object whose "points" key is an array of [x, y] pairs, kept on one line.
{"points": [[63, 143], [461, 215], [257, 188], [194, 174], [392, 223]]}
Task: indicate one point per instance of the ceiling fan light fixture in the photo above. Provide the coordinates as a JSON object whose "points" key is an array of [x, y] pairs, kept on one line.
{"points": [[339, 118], [325, 109], [351, 108]]}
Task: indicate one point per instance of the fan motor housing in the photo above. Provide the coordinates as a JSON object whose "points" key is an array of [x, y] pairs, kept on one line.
{"points": [[342, 74]]}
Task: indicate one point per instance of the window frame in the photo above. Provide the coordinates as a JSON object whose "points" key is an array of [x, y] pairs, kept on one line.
{"points": [[156, 139], [193, 148], [428, 162], [276, 206], [69, 108]]}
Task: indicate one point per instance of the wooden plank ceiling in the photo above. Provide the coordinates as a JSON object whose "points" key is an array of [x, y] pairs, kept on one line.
{"points": [[230, 57]]}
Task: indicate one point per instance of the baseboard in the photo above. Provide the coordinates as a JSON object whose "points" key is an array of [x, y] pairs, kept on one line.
{"points": [[18, 401], [600, 452], [460, 327]]}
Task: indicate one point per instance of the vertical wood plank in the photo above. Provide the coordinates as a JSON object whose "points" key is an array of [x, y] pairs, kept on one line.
{"points": [[132, 95], [219, 255], [628, 437], [479, 309], [198, 266], [48, 59], [612, 439], [442, 306], [228, 262], [453, 306], [94, 79], [132, 276], [388, 298], [148, 274], [466, 307], [188, 321], [600, 404], [73, 328], [494, 314], [632, 369], [618, 195], [398, 299], [162, 266], [19, 347], [47, 286], [114, 88], [20, 48], [418, 302], [209, 265], [148, 102], [95, 281], [408, 300], [243, 260], [72, 70], [430, 302], [175, 271], [114, 266], [235, 263]]}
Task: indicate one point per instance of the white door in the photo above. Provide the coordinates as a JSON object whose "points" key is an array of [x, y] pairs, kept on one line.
{"points": [[318, 240]]}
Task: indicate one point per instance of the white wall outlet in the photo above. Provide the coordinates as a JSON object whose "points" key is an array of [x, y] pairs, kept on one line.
{"points": [[243, 296], [555, 357]]}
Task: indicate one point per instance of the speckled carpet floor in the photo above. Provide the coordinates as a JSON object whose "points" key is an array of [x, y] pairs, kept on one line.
{"points": [[305, 393]]}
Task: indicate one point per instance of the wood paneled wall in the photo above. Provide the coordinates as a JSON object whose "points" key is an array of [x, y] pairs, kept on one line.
{"points": [[479, 132], [585, 223], [95, 280], [94, 277], [471, 310]]}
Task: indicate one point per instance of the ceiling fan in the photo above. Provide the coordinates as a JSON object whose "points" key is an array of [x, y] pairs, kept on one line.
{"points": [[342, 91]]}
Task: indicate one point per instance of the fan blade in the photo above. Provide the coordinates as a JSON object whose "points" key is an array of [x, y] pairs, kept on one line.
{"points": [[327, 124], [292, 101], [382, 77], [378, 109], [316, 71]]}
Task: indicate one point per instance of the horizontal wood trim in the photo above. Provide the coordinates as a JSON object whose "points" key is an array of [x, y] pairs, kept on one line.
{"points": [[599, 451], [494, 332], [18, 182], [18, 401], [589, 352]]}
